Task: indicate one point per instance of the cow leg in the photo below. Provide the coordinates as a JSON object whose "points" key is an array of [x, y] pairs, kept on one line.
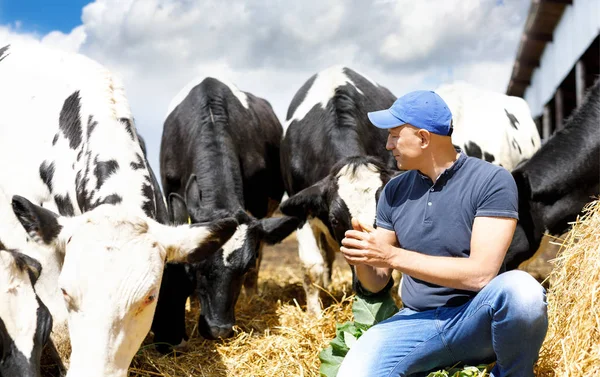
{"points": [[313, 267], [251, 278], [177, 285]]}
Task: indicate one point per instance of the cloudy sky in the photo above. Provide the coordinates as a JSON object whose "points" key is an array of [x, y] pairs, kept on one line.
{"points": [[271, 47]]}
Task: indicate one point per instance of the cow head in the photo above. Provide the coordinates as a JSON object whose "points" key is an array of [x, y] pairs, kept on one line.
{"points": [[25, 322], [350, 190], [110, 279], [221, 275]]}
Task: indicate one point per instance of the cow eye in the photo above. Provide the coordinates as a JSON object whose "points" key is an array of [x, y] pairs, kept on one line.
{"points": [[68, 299], [150, 299]]}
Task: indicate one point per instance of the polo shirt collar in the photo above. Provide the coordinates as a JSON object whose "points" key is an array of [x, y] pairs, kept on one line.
{"points": [[449, 172]]}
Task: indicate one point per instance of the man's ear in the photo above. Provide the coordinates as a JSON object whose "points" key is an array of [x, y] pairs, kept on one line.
{"points": [[425, 137], [193, 243], [178, 213], [41, 224], [309, 202]]}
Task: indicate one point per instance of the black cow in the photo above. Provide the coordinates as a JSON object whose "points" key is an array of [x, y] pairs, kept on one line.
{"points": [[25, 322], [220, 150], [334, 165], [558, 180]]}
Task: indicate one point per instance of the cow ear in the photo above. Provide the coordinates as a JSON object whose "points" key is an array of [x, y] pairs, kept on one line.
{"points": [[193, 195], [309, 202], [34, 268], [276, 229], [193, 243], [178, 213], [41, 224]]}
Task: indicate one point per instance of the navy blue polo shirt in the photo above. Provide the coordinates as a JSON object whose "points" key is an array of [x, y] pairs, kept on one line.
{"points": [[437, 219]]}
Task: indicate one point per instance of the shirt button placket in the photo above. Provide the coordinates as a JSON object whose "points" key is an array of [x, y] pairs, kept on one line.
{"points": [[429, 204]]}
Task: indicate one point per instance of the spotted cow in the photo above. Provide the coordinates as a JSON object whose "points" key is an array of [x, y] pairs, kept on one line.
{"points": [[219, 157], [70, 159], [558, 180], [14, 237], [334, 165], [25, 321], [491, 126]]}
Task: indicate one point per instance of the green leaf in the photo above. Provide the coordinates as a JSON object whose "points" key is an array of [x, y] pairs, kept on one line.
{"points": [[350, 339], [330, 363], [338, 345], [439, 373], [372, 310], [465, 371], [346, 334]]}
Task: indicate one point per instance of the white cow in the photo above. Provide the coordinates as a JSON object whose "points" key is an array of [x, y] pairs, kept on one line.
{"points": [[68, 145], [14, 237], [25, 322], [491, 126]]}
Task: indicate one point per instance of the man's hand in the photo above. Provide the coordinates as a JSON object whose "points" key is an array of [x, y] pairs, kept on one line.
{"points": [[364, 245]]}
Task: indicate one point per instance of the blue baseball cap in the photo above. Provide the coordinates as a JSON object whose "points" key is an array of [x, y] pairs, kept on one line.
{"points": [[422, 108]]}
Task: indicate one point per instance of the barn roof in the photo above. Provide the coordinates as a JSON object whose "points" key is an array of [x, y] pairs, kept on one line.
{"points": [[541, 21]]}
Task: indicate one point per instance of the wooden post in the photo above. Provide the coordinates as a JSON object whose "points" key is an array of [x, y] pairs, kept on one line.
{"points": [[546, 123], [579, 81], [558, 109]]}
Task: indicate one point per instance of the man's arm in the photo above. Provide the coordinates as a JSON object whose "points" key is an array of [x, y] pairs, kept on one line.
{"points": [[490, 239]]}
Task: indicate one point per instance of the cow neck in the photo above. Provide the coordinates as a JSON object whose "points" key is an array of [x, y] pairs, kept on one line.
{"points": [[219, 176]]}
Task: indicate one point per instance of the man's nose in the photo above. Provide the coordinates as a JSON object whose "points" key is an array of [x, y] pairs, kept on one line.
{"points": [[389, 146]]}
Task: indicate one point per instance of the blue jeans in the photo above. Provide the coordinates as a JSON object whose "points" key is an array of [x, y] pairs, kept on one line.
{"points": [[506, 322]]}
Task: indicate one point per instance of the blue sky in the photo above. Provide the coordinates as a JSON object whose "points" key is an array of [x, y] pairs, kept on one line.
{"points": [[42, 16]]}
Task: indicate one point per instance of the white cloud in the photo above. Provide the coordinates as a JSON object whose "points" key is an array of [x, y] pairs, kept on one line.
{"points": [[271, 47], [68, 42]]}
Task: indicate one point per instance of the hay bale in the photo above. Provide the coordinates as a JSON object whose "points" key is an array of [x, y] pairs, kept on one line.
{"points": [[572, 345]]}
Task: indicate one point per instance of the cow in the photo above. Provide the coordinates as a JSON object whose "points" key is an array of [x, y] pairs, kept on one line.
{"points": [[25, 322], [334, 165], [491, 126], [14, 237], [71, 160], [161, 207], [559, 179], [219, 157]]}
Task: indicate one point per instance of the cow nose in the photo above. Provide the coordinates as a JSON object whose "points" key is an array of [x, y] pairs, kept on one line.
{"points": [[221, 331]]}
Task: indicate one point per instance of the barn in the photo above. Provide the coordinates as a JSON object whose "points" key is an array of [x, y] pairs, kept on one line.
{"points": [[558, 58]]}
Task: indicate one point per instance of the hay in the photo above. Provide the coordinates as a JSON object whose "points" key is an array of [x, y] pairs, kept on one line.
{"points": [[274, 335], [572, 345]]}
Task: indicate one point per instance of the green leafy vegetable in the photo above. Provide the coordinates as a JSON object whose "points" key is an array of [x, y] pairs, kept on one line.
{"points": [[367, 312]]}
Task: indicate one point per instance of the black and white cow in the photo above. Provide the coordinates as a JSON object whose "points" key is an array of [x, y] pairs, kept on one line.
{"points": [[220, 149], [161, 215], [14, 237], [25, 321], [70, 155], [334, 165], [558, 180], [491, 126]]}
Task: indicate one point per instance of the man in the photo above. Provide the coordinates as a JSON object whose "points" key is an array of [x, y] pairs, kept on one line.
{"points": [[446, 224]]}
